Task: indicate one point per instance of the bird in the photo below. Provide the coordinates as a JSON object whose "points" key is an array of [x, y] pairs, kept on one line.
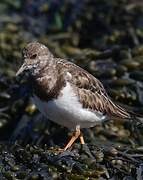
{"points": [[65, 93]]}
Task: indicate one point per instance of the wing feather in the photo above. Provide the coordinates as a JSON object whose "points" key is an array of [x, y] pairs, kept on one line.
{"points": [[91, 92]]}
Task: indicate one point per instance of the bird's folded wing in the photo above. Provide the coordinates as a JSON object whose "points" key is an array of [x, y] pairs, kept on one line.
{"points": [[92, 94]]}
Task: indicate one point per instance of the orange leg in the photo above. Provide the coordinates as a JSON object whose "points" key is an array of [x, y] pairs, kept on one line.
{"points": [[73, 139], [76, 134], [81, 139]]}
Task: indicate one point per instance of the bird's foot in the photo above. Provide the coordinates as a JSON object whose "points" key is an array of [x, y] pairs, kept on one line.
{"points": [[61, 150]]}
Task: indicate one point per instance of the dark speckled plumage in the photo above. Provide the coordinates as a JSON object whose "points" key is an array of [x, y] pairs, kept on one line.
{"points": [[49, 76]]}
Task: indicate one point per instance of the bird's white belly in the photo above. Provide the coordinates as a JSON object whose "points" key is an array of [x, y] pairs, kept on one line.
{"points": [[67, 110]]}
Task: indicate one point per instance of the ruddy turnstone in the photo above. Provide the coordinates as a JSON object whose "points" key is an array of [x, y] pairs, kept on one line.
{"points": [[66, 93]]}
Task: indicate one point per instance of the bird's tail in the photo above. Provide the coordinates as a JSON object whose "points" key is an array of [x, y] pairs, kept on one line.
{"points": [[118, 111], [128, 115]]}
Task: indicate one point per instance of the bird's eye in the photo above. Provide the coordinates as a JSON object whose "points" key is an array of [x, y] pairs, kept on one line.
{"points": [[33, 56]]}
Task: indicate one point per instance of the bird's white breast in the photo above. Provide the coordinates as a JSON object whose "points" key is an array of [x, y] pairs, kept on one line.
{"points": [[67, 110]]}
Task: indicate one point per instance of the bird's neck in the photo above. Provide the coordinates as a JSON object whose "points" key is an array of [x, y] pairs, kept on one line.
{"points": [[48, 83]]}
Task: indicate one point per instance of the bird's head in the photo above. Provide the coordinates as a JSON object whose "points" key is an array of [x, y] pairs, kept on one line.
{"points": [[35, 55]]}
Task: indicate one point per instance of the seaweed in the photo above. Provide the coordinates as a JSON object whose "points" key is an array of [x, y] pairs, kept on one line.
{"points": [[103, 37]]}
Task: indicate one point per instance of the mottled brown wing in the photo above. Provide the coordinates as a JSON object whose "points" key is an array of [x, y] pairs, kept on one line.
{"points": [[91, 92]]}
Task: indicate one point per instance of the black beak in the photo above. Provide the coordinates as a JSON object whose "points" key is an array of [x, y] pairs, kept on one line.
{"points": [[22, 68]]}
